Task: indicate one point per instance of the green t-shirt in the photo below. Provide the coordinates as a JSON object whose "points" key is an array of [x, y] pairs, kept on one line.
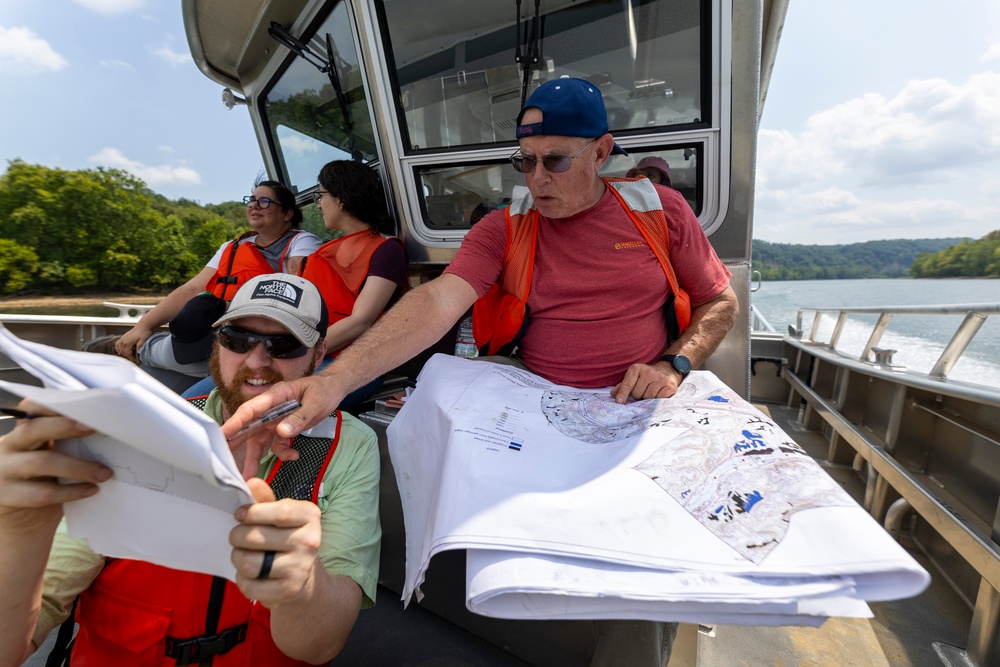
{"points": [[348, 501]]}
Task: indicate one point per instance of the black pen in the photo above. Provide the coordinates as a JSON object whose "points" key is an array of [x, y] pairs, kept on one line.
{"points": [[17, 414]]}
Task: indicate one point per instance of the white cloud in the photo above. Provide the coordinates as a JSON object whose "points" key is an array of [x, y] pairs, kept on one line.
{"points": [[920, 133], [111, 7], [154, 176], [165, 52], [992, 53], [118, 64], [24, 52], [916, 164], [299, 144]]}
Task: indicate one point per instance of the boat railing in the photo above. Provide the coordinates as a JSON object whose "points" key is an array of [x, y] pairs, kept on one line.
{"points": [[927, 447], [758, 322], [129, 310], [975, 314]]}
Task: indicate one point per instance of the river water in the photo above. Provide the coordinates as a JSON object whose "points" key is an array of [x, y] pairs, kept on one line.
{"points": [[918, 339]]}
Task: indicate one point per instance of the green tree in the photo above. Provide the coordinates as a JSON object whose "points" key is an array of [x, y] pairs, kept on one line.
{"points": [[17, 264]]}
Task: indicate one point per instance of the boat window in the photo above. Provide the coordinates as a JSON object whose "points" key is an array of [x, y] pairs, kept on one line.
{"points": [[457, 196], [314, 116], [458, 82]]}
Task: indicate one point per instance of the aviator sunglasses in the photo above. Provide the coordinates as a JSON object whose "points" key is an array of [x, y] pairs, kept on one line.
{"points": [[554, 164], [279, 346]]}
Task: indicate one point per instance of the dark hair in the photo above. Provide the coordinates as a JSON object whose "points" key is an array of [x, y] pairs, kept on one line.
{"points": [[359, 189], [285, 198]]}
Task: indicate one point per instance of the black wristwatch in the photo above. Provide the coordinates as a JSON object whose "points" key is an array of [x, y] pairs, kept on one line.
{"points": [[680, 363]]}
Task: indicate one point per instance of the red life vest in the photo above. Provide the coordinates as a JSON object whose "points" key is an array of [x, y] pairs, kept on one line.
{"points": [[500, 316], [341, 275], [137, 613], [243, 261]]}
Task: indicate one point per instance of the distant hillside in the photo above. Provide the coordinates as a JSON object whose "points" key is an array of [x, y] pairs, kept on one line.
{"points": [[968, 259], [872, 259]]}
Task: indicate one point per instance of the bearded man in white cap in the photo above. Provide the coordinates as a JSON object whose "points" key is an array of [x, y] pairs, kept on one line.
{"points": [[312, 554]]}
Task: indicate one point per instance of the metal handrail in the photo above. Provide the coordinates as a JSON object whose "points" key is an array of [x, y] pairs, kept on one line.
{"points": [[758, 322], [976, 315]]}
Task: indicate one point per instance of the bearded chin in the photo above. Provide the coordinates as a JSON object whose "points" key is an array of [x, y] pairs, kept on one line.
{"points": [[231, 394]]}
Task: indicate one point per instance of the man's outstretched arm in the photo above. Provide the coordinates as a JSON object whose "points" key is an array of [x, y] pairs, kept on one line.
{"points": [[418, 321]]}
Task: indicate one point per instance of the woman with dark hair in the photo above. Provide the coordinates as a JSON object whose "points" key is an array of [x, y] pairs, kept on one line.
{"points": [[363, 272], [359, 274], [274, 244]]}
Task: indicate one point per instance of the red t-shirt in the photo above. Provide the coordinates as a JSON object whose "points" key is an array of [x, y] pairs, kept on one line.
{"points": [[597, 293]]}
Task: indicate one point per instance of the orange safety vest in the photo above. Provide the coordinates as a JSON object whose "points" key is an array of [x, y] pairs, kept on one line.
{"points": [[137, 613], [500, 317], [340, 278], [243, 261]]}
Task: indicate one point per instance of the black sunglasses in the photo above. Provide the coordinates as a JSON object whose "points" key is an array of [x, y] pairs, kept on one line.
{"points": [[279, 346]]}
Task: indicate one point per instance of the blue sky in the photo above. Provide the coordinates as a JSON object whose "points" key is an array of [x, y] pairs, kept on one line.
{"points": [[882, 119], [90, 83]]}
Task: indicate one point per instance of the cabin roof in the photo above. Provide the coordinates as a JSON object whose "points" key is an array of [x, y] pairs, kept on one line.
{"points": [[229, 42]]}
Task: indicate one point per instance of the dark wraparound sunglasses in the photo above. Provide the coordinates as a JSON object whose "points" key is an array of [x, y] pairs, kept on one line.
{"points": [[279, 346]]}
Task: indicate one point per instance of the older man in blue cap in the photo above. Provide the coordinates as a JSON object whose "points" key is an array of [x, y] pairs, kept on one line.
{"points": [[588, 282]]}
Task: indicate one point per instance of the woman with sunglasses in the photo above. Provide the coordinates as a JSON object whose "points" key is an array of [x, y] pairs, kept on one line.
{"points": [[273, 244], [362, 273]]}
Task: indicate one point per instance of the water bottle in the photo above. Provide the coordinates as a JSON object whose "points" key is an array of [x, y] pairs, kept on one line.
{"points": [[465, 342]]}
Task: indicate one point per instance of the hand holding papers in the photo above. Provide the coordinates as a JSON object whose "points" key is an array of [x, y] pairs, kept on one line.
{"points": [[175, 486], [696, 508]]}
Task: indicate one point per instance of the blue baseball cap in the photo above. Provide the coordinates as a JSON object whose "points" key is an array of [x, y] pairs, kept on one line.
{"points": [[570, 108]]}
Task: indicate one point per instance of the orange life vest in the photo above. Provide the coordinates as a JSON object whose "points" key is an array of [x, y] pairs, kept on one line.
{"points": [[342, 273], [500, 316], [137, 613], [243, 261]]}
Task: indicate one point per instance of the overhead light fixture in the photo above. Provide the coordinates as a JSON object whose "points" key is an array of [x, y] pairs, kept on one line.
{"points": [[230, 99]]}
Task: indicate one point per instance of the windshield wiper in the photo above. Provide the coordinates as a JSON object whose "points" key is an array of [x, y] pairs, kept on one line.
{"points": [[328, 67], [532, 45]]}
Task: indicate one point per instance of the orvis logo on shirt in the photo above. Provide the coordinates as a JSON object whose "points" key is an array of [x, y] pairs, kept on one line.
{"points": [[278, 289]]}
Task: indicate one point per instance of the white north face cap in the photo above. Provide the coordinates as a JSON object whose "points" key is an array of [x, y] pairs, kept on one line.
{"points": [[289, 300]]}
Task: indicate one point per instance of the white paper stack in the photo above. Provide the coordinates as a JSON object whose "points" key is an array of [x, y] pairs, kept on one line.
{"points": [[696, 508], [175, 488]]}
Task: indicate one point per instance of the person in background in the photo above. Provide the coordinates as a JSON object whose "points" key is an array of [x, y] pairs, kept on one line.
{"points": [[654, 168], [625, 290], [304, 567], [361, 273], [274, 243]]}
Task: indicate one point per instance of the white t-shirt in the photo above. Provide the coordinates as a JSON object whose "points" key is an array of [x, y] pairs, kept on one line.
{"points": [[302, 244]]}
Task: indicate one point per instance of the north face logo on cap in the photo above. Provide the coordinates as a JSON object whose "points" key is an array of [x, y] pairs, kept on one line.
{"points": [[278, 289]]}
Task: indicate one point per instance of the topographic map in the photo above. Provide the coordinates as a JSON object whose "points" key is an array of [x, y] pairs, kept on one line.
{"points": [[733, 469]]}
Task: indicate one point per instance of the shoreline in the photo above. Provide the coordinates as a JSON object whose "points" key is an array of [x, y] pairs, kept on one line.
{"points": [[16, 304]]}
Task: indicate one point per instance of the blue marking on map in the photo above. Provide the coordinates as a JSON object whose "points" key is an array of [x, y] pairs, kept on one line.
{"points": [[718, 399], [753, 441], [752, 499]]}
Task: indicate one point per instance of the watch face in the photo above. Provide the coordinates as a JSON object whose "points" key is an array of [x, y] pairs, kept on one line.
{"points": [[681, 364]]}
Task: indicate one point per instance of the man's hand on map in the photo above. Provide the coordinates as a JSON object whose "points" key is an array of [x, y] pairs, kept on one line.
{"points": [[643, 381], [30, 495]]}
